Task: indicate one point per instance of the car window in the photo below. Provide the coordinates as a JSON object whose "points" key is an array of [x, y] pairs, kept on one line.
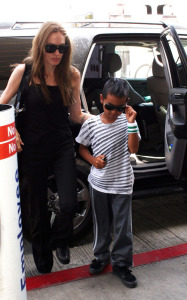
{"points": [[136, 61], [179, 75], [174, 50], [184, 43]]}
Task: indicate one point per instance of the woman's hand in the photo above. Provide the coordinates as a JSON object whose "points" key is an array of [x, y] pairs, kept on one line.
{"points": [[130, 114], [19, 142]]}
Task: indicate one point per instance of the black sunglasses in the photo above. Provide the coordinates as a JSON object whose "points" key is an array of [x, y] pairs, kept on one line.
{"points": [[120, 108], [51, 48]]}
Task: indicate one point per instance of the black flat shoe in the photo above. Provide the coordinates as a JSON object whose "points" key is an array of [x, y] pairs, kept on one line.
{"points": [[63, 255], [125, 275], [45, 267], [97, 266]]}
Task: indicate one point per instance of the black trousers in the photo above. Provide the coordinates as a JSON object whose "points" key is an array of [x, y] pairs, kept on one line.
{"points": [[44, 236]]}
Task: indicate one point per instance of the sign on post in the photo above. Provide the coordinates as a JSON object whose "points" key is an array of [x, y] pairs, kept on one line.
{"points": [[12, 265]]}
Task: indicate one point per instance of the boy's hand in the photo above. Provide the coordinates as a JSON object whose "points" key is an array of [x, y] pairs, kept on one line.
{"points": [[99, 162], [130, 114]]}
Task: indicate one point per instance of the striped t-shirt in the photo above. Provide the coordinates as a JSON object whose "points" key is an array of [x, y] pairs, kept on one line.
{"points": [[110, 140]]}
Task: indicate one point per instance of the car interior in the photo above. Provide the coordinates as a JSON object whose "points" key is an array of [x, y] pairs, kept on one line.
{"points": [[139, 63]]}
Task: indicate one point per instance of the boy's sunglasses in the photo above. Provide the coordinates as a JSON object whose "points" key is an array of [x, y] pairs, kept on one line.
{"points": [[120, 108], [51, 48]]}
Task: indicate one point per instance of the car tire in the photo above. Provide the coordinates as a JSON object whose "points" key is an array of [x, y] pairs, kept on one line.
{"points": [[83, 215]]}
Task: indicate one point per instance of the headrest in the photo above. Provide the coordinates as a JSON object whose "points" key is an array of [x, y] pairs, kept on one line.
{"points": [[112, 63], [157, 70]]}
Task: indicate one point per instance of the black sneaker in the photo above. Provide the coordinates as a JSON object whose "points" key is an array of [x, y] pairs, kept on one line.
{"points": [[97, 266], [125, 275]]}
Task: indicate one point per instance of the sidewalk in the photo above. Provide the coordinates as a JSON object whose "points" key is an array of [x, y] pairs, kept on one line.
{"points": [[160, 259], [161, 280]]}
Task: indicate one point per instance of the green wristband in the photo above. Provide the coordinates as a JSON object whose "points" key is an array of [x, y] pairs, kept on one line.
{"points": [[132, 127]]}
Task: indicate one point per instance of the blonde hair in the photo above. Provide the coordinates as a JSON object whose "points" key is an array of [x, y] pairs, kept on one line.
{"points": [[62, 71]]}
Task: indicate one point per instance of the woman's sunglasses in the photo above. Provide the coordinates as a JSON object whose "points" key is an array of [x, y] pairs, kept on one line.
{"points": [[51, 48], [119, 108]]}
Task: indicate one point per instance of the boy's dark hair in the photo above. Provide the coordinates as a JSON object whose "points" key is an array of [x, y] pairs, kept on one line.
{"points": [[117, 87]]}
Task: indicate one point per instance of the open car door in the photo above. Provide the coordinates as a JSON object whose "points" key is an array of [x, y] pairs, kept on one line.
{"points": [[175, 62]]}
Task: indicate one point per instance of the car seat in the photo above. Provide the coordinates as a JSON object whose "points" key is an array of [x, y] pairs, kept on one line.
{"points": [[157, 85], [111, 64], [159, 91]]}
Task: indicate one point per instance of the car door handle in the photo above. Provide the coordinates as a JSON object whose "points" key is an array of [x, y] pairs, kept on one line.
{"points": [[178, 113], [177, 99]]}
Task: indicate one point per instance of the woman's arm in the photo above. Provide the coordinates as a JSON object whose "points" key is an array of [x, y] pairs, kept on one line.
{"points": [[9, 93], [76, 113], [13, 84]]}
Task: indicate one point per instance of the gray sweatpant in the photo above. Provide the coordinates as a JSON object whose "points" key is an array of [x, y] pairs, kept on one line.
{"points": [[116, 210]]}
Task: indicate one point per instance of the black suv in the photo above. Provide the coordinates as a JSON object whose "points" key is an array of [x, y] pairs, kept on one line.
{"points": [[152, 58]]}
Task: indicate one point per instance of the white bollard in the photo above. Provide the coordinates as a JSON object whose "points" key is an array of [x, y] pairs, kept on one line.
{"points": [[12, 265]]}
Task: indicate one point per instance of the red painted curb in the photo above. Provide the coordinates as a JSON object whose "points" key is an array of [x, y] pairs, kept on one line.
{"points": [[160, 254], [82, 272]]}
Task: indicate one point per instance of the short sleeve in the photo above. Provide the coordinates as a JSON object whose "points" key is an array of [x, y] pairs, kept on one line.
{"points": [[84, 136]]}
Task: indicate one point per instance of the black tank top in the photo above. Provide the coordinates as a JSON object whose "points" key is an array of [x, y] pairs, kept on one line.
{"points": [[46, 126]]}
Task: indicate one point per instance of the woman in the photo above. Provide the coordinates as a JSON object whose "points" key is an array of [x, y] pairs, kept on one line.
{"points": [[45, 140]]}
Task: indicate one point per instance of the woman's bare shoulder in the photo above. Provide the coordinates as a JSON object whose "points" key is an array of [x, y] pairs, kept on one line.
{"points": [[18, 72], [19, 69], [75, 73]]}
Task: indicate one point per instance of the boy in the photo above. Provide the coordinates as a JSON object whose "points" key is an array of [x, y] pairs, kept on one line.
{"points": [[113, 135]]}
